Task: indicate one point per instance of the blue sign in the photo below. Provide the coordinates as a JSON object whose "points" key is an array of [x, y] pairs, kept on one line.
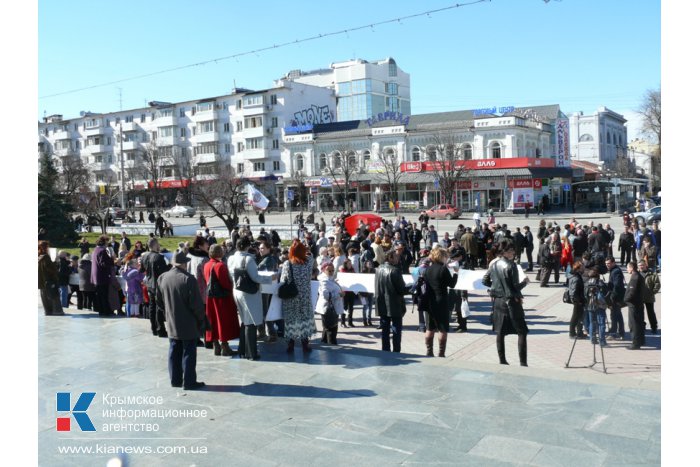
{"points": [[436, 182], [566, 187], [326, 182], [398, 117], [290, 194], [290, 130], [493, 110]]}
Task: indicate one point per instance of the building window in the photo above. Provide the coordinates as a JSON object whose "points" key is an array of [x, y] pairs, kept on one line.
{"points": [[205, 106], [415, 154], [253, 122], [538, 152], [227, 127], [205, 127], [468, 152], [165, 132], [275, 165], [239, 126], [390, 154], [352, 159], [300, 162], [273, 123], [608, 137], [240, 168], [259, 166], [496, 151], [254, 143], [585, 138], [253, 100], [227, 148], [182, 112], [206, 148], [275, 144], [322, 161], [116, 120], [431, 153], [392, 67], [183, 132], [391, 88], [366, 157], [240, 147], [239, 104], [336, 160], [273, 99]]}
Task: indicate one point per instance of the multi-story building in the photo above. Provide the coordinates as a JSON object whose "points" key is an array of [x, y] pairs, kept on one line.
{"points": [[243, 129], [364, 88], [523, 151], [600, 138]]}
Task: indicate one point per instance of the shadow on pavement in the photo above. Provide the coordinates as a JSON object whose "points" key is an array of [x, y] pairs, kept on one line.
{"points": [[289, 390]]}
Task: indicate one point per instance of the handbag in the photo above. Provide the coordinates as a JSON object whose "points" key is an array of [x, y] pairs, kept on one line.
{"points": [[214, 289], [566, 298], [288, 289], [242, 281], [330, 317], [465, 312]]}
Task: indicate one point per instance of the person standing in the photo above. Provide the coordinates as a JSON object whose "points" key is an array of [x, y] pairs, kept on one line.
{"points": [[153, 265], [329, 304], [87, 288], [101, 275], [298, 314], [578, 300], [220, 307], [653, 286], [249, 304], [470, 245], [508, 317], [269, 262], [48, 281], [634, 298], [160, 225], [439, 278], [616, 284], [390, 288], [64, 272], [529, 246], [625, 245], [178, 294], [134, 292]]}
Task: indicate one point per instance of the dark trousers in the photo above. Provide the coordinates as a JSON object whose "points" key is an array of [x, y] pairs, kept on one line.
{"points": [[617, 322], [391, 325], [102, 299], [51, 301], [156, 316], [625, 256], [528, 252], [651, 314], [636, 320], [576, 316], [182, 357]]}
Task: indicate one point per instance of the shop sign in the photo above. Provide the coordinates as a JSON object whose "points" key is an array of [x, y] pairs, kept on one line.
{"points": [[562, 132], [411, 167], [398, 117], [170, 183], [525, 183], [493, 110], [490, 164], [464, 185]]}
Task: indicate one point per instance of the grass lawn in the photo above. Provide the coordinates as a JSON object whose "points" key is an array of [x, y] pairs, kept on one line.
{"points": [[170, 243]]}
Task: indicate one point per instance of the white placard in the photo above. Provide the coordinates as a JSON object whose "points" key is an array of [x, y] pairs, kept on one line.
{"points": [[274, 312], [470, 280], [363, 282]]}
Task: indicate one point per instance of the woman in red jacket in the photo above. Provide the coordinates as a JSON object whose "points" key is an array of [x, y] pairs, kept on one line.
{"points": [[567, 257], [221, 309]]}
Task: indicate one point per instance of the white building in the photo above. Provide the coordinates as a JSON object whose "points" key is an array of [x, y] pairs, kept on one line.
{"points": [[599, 138], [364, 88], [243, 129]]}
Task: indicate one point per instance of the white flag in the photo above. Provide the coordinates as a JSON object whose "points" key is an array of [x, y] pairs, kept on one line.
{"points": [[257, 199]]}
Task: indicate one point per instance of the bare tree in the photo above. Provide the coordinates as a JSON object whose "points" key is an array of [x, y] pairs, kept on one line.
{"points": [[154, 160], [298, 181], [650, 111], [222, 190], [446, 152], [389, 172], [94, 204], [343, 168], [74, 177]]}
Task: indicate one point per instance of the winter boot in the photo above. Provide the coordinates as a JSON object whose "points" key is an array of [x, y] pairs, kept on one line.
{"points": [[305, 345], [251, 343], [226, 350], [342, 320], [522, 349], [442, 343], [333, 337], [217, 348], [350, 319], [429, 346]]}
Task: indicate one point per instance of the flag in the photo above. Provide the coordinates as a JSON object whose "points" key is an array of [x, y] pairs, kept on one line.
{"points": [[257, 199], [425, 197]]}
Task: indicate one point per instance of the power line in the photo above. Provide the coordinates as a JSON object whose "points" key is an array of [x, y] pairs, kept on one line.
{"points": [[271, 47]]}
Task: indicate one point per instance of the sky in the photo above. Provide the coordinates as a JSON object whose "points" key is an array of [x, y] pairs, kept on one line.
{"points": [[580, 54]]}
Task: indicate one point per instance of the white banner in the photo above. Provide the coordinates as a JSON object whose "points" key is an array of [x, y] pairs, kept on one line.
{"points": [[257, 199]]}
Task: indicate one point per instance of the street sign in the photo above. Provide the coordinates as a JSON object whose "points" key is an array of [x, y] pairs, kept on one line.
{"points": [[436, 182], [290, 194], [325, 182], [566, 187], [314, 190]]}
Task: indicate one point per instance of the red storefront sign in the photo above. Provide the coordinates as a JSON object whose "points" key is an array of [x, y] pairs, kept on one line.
{"points": [[525, 183], [481, 164], [170, 183], [411, 167]]}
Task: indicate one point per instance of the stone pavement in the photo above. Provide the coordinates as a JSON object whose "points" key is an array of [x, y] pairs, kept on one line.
{"points": [[355, 405]]}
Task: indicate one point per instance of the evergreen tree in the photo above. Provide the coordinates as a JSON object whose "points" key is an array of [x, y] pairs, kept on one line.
{"points": [[54, 213]]}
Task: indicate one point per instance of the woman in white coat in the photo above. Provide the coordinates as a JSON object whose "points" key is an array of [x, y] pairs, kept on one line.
{"points": [[329, 291], [250, 308]]}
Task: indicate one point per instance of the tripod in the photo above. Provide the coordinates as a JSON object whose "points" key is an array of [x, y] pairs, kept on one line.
{"points": [[596, 342]]}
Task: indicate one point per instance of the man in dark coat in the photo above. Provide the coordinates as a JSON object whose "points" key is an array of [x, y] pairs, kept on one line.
{"points": [[178, 294], [471, 248], [160, 225], [625, 245], [529, 246], [153, 265], [520, 244], [509, 316], [634, 298], [616, 283], [389, 288], [414, 238]]}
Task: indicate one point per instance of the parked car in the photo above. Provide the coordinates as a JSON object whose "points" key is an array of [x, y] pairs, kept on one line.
{"points": [[117, 213], [444, 211], [653, 214], [180, 211]]}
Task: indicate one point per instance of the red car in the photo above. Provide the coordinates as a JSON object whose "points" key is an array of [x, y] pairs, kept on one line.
{"points": [[444, 211]]}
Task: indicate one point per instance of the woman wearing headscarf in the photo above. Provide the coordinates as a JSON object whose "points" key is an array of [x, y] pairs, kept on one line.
{"points": [[297, 311], [48, 281]]}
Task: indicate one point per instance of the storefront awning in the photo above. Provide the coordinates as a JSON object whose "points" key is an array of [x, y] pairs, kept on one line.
{"points": [[564, 172]]}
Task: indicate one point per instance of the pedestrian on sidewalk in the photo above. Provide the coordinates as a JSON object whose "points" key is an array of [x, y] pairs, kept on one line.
{"points": [[439, 278], [177, 293], [508, 317], [390, 288]]}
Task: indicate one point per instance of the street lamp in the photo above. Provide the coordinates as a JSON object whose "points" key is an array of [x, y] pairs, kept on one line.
{"points": [[121, 157]]}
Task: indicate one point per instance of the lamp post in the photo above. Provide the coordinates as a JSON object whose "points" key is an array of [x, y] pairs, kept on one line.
{"points": [[121, 157]]}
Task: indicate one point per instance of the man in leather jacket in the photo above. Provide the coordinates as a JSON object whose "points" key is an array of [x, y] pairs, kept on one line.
{"points": [[390, 288], [509, 317], [634, 298]]}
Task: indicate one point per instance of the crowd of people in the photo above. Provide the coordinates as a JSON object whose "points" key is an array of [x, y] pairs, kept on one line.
{"points": [[210, 294]]}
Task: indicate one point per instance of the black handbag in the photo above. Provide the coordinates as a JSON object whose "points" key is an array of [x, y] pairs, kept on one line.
{"points": [[330, 317], [214, 289], [288, 289], [243, 282]]}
